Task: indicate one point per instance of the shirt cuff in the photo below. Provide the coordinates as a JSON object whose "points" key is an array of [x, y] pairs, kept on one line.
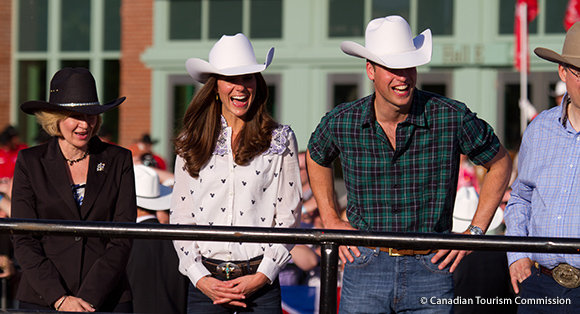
{"points": [[269, 268], [197, 271], [514, 256]]}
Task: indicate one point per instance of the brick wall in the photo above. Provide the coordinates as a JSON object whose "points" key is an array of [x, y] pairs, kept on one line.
{"points": [[5, 61], [136, 36]]}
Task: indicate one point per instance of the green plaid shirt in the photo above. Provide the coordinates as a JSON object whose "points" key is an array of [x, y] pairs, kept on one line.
{"points": [[411, 189]]}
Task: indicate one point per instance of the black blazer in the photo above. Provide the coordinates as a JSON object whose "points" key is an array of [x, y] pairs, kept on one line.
{"points": [[90, 268], [157, 284]]}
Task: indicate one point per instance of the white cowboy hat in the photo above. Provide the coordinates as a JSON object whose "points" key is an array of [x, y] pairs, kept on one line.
{"points": [[389, 43], [464, 210], [151, 194], [559, 89], [231, 55]]}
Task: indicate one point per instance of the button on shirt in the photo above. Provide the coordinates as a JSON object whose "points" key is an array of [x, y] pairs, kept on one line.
{"points": [[545, 200], [265, 193], [412, 188]]}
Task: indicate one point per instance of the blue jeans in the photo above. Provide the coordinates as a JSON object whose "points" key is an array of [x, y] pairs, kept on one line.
{"points": [[267, 300], [378, 283], [543, 287]]}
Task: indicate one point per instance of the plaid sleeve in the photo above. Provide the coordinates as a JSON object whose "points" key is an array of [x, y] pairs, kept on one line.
{"points": [[322, 144], [478, 140]]}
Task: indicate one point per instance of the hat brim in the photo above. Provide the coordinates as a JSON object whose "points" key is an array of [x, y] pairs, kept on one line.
{"points": [[201, 70], [163, 202], [32, 106], [402, 60], [552, 56]]}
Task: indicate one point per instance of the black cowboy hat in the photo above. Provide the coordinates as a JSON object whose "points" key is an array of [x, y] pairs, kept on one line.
{"points": [[72, 89]]}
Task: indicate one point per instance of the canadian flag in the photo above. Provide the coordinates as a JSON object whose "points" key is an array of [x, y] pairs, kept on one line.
{"points": [[572, 13], [527, 9]]}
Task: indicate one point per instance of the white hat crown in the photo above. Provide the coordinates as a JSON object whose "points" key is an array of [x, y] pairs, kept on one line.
{"points": [[151, 194], [231, 55], [390, 43]]}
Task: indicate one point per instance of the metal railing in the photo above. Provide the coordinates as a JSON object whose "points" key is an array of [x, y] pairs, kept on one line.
{"points": [[329, 240]]}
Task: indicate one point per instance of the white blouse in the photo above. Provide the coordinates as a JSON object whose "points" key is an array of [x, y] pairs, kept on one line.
{"points": [[265, 193]]}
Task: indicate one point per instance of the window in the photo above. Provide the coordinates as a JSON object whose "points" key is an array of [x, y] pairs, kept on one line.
{"points": [[552, 15], [75, 33], [346, 18], [33, 25], [221, 11], [436, 15], [266, 19], [33, 85], [206, 19], [112, 27], [185, 19], [382, 8]]}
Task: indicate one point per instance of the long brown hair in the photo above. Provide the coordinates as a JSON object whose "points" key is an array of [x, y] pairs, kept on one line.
{"points": [[196, 140]]}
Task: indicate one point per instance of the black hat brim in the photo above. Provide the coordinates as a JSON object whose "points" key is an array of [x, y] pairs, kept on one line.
{"points": [[32, 106]]}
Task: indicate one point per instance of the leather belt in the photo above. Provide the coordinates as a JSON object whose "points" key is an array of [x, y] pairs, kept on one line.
{"points": [[403, 252], [565, 275], [228, 270]]}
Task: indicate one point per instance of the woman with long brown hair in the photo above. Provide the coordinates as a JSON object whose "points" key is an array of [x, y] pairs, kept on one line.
{"points": [[235, 166]]}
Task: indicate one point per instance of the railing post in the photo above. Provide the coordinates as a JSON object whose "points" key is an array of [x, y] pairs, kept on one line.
{"points": [[328, 277]]}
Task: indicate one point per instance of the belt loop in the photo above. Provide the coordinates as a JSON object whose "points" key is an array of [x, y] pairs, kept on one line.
{"points": [[377, 251]]}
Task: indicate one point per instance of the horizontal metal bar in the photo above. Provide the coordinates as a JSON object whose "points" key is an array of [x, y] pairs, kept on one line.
{"points": [[285, 235]]}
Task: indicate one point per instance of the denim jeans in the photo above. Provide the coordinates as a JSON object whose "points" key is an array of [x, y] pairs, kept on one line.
{"points": [[267, 300], [539, 286], [378, 283]]}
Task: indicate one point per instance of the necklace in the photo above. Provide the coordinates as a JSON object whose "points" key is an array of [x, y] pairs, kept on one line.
{"points": [[73, 161]]}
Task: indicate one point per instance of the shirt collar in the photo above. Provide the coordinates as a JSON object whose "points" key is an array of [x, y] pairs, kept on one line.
{"points": [[417, 115]]}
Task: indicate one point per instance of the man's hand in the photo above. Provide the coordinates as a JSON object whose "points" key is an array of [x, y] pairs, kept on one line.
{"points": [[519, 271], [454, 256], [343, 251]]}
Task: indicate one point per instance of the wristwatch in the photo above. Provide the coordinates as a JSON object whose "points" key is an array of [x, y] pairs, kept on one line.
{"points": [[475, 230]]}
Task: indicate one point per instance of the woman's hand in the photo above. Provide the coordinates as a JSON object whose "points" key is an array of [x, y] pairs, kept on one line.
{"points": [[6, 267], [221, 292], [73, 304]]}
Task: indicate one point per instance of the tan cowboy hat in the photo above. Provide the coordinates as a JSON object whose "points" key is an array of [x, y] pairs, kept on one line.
{"points": [[389, 42], [231, 55], [570, 51], [72, 89]]}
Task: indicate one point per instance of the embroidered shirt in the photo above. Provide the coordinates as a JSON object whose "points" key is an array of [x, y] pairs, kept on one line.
{"points": [[412, 188], [265, 193], [546, 195]]}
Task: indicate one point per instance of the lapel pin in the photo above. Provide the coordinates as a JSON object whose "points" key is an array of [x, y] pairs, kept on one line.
{"points": [[101, 167]]}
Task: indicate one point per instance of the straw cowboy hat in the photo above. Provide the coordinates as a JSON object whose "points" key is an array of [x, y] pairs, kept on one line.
{"points": [[151, 194], [72, 89], [389, 42], [465, 207], [570, 51], [231, 55]]}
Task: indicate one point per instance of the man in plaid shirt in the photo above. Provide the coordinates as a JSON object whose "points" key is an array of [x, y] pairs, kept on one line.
{"points": [[400, 149]]}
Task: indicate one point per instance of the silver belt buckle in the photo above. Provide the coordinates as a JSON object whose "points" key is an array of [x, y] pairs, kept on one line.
{"points": [[567, 276], [227, 271]]}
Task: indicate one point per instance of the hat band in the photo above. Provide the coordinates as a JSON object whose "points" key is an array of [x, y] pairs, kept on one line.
{"points": [[79, 104]]}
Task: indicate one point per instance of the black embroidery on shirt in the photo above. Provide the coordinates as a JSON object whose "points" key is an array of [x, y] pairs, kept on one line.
{"points": [[270, 160], [170, 212], [212, 195], [186, 252], [263, 219], [211, 167], [291, 154], [211, 223], [274, 205], [275, 175], [291, 183], [279, 199], [191, 192], [241, 213], [257, 172], [274, 259], [224, 181], [192, 215], [253, 202], [264, 189], [223, 209], [292, 211], [200, 209], [263, 249], [270, 244], [182, 248], [244, 183], [280, 223], [183, 168], [183, 198]]}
